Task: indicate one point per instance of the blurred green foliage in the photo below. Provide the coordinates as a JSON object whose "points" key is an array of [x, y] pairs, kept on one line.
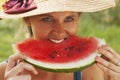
{"points": [[109, 16], [109, 32], [8, 28]]}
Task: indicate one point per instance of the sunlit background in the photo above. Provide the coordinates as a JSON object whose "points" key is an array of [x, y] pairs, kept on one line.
{"points": [[104, 24]]}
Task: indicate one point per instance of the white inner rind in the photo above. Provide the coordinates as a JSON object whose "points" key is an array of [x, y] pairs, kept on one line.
{"points": [[74, 64], [79, 63]]}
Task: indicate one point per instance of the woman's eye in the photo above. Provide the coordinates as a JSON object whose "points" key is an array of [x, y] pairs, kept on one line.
{"points": [[69, 19], [47, 19]]}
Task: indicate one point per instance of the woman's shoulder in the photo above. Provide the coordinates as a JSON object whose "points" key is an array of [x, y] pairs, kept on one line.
{"points": [[2, 70], [3, 64]]}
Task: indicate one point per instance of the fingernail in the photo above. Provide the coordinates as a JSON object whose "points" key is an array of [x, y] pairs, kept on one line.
{"points": [[35, 72], [103, 46], [99, 48], [97, 58]]}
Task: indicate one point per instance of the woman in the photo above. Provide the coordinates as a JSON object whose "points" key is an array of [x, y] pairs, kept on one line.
{"points": [[56, 20]]}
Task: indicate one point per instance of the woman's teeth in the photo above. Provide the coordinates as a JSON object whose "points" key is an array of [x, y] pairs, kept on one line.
{"points": [[57, 41]]}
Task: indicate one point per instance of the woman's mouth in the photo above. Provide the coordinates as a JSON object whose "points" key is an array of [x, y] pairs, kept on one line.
{"points": [[57, 41]]}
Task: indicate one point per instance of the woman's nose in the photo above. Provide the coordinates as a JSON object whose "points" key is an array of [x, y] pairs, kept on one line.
{"points": [[59, 32]]}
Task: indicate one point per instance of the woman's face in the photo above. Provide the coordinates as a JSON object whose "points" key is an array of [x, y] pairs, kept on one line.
{"points": [[55, 26]]}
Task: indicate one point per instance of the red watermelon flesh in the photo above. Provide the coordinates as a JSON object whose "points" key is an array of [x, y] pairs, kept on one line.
{"points": [[71, 49]]}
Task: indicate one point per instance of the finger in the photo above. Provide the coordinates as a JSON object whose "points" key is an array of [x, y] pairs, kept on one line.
{"points": [[111, 50], [107, 53], [20, 68], [106, 70], [108, 64], [30, 1], [12, 61], [21, 77]]}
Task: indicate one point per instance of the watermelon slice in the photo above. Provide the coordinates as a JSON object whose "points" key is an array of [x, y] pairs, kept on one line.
{"points": [[72, 54]]}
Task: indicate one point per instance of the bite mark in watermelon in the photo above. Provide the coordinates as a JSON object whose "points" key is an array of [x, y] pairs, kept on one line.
{"points": [[73, 54]]}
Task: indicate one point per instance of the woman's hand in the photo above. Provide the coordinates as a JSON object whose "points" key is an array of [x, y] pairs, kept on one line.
{"points": [[110, 63], [17, 69]]}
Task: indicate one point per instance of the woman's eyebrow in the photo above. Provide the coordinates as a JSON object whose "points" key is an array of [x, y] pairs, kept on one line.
{"points": [[71, 15], [46, 15]]}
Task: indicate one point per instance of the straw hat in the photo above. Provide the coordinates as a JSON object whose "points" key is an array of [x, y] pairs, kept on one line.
{"points": [[46, 6]]}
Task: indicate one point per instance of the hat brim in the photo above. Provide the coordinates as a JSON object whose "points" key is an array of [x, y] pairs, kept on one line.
{"points": [[48, 6]]}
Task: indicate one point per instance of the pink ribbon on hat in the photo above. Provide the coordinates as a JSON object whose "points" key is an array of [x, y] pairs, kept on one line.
{"points": [[18, 6]]}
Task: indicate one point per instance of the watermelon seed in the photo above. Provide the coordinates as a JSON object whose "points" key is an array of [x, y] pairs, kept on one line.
{"points": [[70, 54], [79, 49], [69, 48], [54, 54], [69, 51]]}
